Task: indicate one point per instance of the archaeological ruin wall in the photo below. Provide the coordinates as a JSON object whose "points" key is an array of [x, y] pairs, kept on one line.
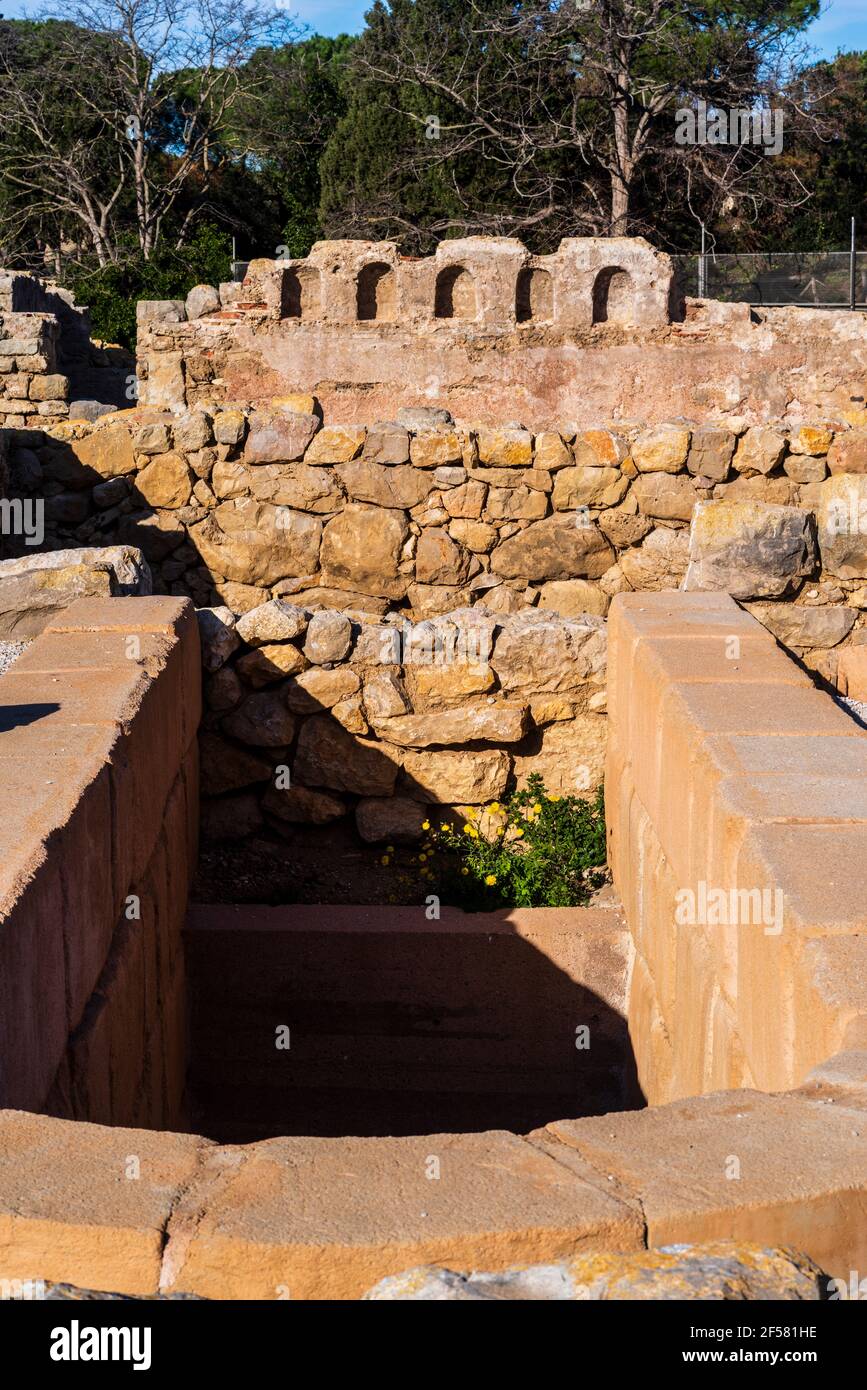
{"points": [[593, 332]]}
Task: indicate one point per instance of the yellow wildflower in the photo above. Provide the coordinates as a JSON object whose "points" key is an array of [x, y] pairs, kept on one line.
{"points": [[465, 871], [518, 833], [385, 859], [537, 808], [494, 807], [490, 880], [471, 831], [425, 825]]}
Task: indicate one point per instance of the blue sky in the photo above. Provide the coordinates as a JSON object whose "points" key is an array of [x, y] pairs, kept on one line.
{"points": [[843, 24]]}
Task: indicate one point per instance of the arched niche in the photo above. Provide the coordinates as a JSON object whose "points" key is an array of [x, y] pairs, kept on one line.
{"points": [[612, 296], [376, 292], [534, 296], [302, 294], [455, 296]]}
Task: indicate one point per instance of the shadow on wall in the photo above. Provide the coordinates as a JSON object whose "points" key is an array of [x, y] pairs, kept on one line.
{"points": [[393, 1024]]}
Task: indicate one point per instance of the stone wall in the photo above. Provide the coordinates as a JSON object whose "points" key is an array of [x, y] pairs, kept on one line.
{"points": [[98, 721], [234, 507], [737, 823], [311, 716], [485, 329], [32, 389]]}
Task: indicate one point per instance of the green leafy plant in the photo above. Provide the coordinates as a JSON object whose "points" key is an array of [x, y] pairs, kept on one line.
{"points": [[532, 850]]}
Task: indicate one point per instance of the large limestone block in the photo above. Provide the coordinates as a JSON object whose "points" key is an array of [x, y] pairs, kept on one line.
{"points": [[719, 1270], [329, 756], [659, 563], [480, 723], [278, 437], [568, 755], [505, 448], [798, 626], [274, 621], [593, 487], [165, 482], [749, 549], [64, 1208], [108, 451], [396, 818], [33, 588], [661, 450], [842, 520], [558, 547], [290, 1213], [665, 498], [455, 777], [539, 653], [361, 550], [396, 485], [253, 542]]}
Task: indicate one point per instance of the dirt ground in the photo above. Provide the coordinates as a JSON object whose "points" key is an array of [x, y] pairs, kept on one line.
{"points": [[315, 864]]}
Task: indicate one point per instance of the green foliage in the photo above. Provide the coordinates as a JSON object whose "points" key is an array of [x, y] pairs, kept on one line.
{"points": [[111, 293], [535, 850]]}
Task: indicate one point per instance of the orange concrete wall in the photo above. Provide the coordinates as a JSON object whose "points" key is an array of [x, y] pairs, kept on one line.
{"points": [[295, 1218], [728, 768], [98, 826], [404, 1025]]}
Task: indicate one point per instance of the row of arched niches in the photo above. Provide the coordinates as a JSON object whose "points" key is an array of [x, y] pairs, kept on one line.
{"points": [[456, 294]]}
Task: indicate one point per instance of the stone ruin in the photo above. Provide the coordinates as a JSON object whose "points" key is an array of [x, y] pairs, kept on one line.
{"points": [[446, 522]]}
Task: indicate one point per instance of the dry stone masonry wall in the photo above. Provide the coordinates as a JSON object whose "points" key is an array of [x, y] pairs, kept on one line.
{"points": [[421, 516], [313, 715]]}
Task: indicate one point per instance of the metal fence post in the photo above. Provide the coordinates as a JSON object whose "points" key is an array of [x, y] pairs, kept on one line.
{"points": [[852, 268]]}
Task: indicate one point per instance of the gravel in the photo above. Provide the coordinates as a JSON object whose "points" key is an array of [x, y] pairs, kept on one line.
{"points": [[857, 708], [9, 652]]}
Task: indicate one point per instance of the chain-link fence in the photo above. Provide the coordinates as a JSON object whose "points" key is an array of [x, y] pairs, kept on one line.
{"points": [[813, 279]]}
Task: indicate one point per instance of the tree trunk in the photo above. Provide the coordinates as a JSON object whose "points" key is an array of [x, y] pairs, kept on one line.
{"points": [[619, 204]]}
